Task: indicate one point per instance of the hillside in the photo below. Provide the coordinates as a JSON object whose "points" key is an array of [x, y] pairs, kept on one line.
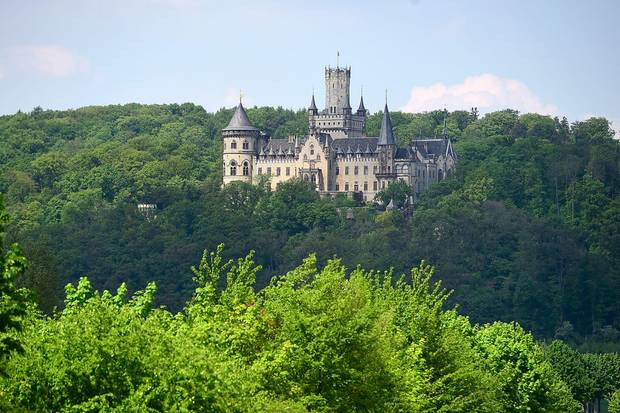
{"points": [[527, 229]]}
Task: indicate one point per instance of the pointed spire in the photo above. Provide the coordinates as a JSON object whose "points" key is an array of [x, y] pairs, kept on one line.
{"points": [[386, 136], [312, 107], [362, 108], [445, 125], [240, 120]]}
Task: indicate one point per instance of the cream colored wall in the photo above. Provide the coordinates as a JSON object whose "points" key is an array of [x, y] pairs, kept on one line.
{"points": [[341, 179], [239, 155]]}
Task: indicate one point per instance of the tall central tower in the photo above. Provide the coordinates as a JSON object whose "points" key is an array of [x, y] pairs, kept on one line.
{"points": [[337, 82]]}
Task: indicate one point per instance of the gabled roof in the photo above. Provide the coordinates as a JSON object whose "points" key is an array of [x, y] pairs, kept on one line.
{"points": [[240, 120], [433, 147], [386, 136], [343, 144]]}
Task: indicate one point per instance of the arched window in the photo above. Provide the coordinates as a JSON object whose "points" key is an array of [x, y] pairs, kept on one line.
{"points": [[306, 178], [311, 149], [313, 178], [233, 168], [246, 168], [440, 174], [405, 169], [246, 145], [233, 145]]}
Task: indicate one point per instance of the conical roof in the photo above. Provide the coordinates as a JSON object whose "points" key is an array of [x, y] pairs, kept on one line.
{"points": [[240, 120], [386, 136], [312, 104], [362, 108]]}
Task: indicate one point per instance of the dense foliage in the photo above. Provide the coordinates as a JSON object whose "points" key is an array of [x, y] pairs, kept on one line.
{"points": [[315, 339], [526, 230]]}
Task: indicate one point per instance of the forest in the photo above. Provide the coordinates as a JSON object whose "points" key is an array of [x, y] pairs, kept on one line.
{"points": [[524, 238]]}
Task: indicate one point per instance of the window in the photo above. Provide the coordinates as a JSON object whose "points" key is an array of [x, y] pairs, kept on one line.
{"points": [[260, 170], [269, 171], [233, 145], [356, 187], [233, 168], [313, 178], [389, 167], [346, 186], [356, 170], [346, 170], [365, 170], [365, 186], [311, 149], [305, 157], [383, 185], [246, 145], [337, 171], [278, 171], [288, 171], [374, 169], [374, 185], [337, 187], [246, 168], [318, 157]]}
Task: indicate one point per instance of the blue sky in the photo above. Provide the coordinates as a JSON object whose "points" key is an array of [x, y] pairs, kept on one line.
{"points": [[557, 57]]}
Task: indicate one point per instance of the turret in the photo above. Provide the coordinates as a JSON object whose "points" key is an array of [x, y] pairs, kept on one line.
{"points": [[312, 113], [241, 141], [445, 125], [386, 148], [312, 110], [361, 110]]}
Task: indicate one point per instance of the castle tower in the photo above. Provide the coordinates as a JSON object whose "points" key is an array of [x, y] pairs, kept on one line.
{"points": [[312, 113], [240, 147], [386, 146], [337, 82]]}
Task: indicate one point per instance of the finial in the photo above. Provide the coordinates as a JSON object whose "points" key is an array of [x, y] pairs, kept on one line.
{"points": [[337, 59], [362, 90], [240, 96], [385, 97]]}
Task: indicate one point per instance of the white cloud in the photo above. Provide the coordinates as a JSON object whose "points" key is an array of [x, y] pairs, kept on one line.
{"points": [[54, 61], [487, 92]]}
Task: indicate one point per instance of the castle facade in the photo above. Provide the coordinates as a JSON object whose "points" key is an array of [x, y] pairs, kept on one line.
{"points": [[335, 155]]}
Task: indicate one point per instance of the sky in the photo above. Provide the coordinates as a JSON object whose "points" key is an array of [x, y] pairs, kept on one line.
{"points": [[554, 57]]}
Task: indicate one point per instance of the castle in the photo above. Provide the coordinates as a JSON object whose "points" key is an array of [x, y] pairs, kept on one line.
{"points": [[336, 155]]}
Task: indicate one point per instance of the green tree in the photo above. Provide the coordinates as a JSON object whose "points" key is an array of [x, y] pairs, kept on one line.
{"points": [[14, 302], [398, 191]]}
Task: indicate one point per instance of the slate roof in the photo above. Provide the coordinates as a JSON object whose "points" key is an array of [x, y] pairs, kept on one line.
{"points": [[433, 147], [354, 144], [402, 153], [312, 104], [240, 120], [362, 108], [279, 146], [386, 136]]}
